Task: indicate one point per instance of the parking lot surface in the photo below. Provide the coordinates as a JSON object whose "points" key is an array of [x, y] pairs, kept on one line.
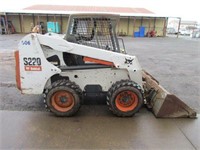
{"points": [[173, 62]]}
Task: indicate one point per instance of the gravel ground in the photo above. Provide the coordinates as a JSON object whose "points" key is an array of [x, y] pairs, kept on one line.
{"points": [[174, 62]]}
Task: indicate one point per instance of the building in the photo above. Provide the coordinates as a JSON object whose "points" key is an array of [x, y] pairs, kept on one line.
{"points": [[130, 18], [189, 25]]}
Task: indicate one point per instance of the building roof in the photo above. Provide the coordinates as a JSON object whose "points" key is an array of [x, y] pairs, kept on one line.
{"points": [[69, 9], [88, 9]]}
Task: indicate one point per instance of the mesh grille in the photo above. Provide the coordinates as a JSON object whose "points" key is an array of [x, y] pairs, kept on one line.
{"points": [[94, 32]]}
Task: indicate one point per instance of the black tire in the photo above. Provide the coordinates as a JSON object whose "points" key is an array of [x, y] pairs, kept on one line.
{"points": [[63, 98], [125, 98]]}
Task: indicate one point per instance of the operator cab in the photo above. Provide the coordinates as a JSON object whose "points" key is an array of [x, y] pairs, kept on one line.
{"points": [[94, 31]]}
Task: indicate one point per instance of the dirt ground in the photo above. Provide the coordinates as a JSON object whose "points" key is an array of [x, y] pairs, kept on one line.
{"points": [[175, 63]]}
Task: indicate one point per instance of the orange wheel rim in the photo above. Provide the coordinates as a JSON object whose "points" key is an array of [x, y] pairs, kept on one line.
{"points": [[62, 101], [126, 101]]}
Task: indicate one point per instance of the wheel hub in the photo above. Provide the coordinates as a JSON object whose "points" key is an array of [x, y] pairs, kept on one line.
{"points": [[63, 99], [126, 99]]}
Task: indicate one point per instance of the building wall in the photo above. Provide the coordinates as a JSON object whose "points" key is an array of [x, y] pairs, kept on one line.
{"points": [[149, 24], [15, 21], [124, 27], [64, 24], [159, 26], [27, 20]]}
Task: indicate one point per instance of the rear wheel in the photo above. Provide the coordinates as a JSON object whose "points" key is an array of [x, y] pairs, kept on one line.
{"points": [[125, 98], [63, 98]]}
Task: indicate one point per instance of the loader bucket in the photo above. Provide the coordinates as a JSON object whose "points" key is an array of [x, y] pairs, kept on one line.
{"points": [[162, 103]]}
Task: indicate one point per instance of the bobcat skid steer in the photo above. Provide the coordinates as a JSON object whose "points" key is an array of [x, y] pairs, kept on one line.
{"points": [[89, 63]]}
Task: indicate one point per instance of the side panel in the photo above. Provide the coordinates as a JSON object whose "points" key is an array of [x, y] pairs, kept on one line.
{"points": [[104, 77], [35, 70]]}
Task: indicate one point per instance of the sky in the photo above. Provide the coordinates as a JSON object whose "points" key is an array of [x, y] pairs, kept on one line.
{"points": [[186, 9]]}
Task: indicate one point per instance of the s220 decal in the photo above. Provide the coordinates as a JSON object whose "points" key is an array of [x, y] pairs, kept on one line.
{"points": [[32, 64]]}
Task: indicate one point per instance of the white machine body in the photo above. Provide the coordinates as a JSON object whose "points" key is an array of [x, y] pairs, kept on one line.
{"points": [[35, 71]]}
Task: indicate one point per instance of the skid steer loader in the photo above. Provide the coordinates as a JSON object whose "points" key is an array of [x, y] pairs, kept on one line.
{"points": [[89, 62]]}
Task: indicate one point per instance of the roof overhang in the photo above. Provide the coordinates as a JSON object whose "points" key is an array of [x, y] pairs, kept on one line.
{"points": [[43, 12], [66, 10]]}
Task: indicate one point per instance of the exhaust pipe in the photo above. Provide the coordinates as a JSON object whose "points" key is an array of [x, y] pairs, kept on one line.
{"points": [[162, 103]]}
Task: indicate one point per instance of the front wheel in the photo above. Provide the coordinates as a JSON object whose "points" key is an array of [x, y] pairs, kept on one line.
{"points": [[63, 98], [125, 98]]}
